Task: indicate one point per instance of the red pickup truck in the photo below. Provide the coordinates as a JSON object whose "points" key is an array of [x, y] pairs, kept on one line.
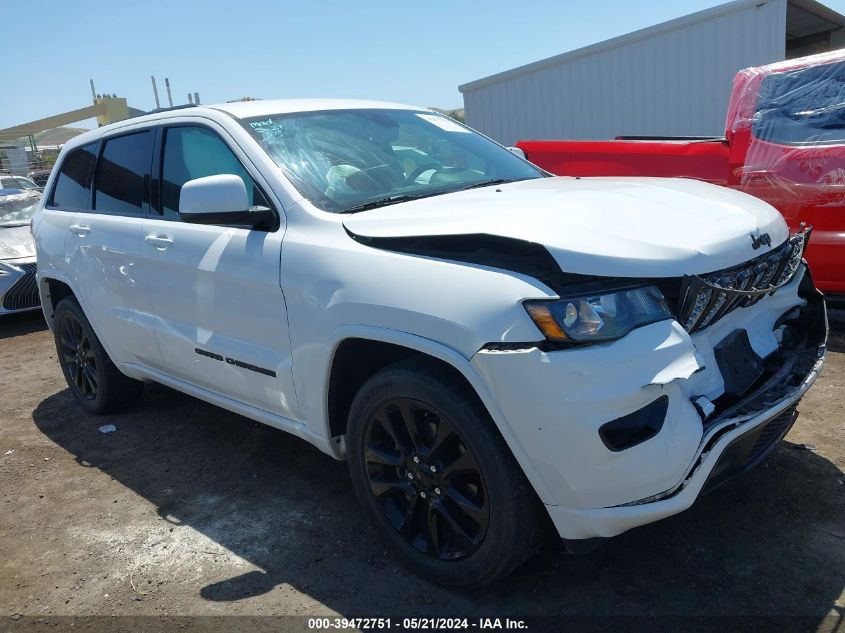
{"points": [[784, 142]]}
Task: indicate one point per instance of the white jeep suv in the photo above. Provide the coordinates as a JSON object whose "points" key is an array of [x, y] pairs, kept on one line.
{"points": [[493, 350]]}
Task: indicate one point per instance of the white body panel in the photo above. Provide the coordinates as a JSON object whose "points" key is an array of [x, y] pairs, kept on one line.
{"points": [[557, 402], [217, 289], [166, 297], [105, 251], [51, 234], [650, 227]]}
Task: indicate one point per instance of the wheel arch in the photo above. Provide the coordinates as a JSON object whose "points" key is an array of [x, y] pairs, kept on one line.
{"points": [[53, 289], [387, 347]]}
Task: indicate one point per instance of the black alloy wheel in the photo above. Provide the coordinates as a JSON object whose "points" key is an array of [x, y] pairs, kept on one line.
{"points": [[98, 385], [427, 481], [76, 355], [437, 479]]}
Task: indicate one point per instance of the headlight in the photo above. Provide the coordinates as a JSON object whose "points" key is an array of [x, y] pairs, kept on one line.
{"points": [[601, 316]]}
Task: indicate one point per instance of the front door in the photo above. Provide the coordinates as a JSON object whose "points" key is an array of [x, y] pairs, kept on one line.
{"points": [[221, 321]]}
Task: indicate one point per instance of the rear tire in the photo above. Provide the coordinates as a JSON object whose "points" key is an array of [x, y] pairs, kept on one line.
{"points": [[96, 383], [437, 479]]}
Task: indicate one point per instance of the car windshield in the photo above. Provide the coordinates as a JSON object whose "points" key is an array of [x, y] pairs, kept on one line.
{"points": [[344, 161], [25, 183], [16, 209]]}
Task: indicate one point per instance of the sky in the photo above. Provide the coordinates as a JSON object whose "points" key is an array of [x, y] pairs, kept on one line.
{"points": [[400, 50]]}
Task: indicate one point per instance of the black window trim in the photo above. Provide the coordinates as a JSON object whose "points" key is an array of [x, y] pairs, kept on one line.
{"points": [[153, 129], [51, 205], [159, 130], [157, 212]]}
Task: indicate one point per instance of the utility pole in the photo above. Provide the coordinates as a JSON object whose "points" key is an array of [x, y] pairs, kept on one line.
{"points": [[167, 85], [155, 91]]}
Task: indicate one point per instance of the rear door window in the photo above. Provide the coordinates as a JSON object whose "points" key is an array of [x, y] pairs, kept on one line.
{"points": [[802, 107], [72, 190], [122, 180]]}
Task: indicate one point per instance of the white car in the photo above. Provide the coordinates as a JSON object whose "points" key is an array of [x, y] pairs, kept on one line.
{"points": [[494, 351], [18, 288], [8, 181]]}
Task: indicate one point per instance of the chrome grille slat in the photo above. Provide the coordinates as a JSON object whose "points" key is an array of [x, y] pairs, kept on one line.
{"points": [[717, 300], [769, 274], [723, 291], [731, 304], [747, 284], [705, 298]]}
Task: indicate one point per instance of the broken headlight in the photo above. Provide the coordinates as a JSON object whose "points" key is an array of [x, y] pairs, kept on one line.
{"points": [[601, 316]]}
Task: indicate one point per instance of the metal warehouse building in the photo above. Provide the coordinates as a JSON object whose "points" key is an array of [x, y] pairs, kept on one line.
{"points": [[670, 79]]}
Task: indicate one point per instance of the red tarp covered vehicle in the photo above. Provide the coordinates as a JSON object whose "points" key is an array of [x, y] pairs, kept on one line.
{"points": [[784, 142]]}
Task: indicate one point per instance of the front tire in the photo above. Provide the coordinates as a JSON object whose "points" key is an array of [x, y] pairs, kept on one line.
{"points": [[436, 477], [96, 383]]}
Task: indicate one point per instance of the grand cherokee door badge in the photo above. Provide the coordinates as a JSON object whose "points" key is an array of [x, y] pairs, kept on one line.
{"points": [[235, 362]]}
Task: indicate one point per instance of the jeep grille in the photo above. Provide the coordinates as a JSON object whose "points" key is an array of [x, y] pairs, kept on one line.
{"points": [[704, 299]]}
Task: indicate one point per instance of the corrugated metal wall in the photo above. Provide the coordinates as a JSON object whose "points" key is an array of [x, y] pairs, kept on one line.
{"points": [[675, 82]]}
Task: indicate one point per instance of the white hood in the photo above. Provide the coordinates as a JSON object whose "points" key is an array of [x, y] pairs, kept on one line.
{"points": [[16, 242], [629, 227]]}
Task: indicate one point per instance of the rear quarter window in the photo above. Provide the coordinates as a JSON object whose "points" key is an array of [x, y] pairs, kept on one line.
{"points": [[72, 190]]}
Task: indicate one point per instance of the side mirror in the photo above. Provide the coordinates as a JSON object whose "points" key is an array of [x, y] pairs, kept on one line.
{"points": [[518, 152], [221, 200]]}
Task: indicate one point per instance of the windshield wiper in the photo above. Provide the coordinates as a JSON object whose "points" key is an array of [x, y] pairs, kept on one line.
{"points": [[405, 197], [383, 202], [486, 183]]}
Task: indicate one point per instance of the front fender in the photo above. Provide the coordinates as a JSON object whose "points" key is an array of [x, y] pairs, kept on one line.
{"points": [[440, 352]]}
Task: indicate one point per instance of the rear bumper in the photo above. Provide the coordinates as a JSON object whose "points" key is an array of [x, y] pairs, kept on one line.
{"points": [[18, 286]]}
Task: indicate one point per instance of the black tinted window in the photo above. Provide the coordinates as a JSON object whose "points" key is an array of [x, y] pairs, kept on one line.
{"points": [[121, 184], [73, 185], [196, 152], [803, 107]]}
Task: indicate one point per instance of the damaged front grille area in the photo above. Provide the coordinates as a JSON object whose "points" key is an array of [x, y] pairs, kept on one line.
{"points": [[789, 373], [704, 299]]}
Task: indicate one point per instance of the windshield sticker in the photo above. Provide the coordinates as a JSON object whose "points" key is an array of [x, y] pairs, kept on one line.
{"points": [[444, 123], [272, 131]]}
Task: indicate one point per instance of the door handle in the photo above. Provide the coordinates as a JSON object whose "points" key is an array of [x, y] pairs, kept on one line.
{"points": [[160, 242], [79, 229]]}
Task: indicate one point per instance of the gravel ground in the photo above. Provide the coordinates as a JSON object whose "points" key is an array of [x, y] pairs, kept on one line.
{"points": [[187, 509]]}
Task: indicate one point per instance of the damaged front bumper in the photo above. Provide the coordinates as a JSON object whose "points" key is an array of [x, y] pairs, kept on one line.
{"points": [[557, 402]]}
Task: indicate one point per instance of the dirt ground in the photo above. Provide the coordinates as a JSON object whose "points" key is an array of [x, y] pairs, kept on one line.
{"points": [[188, 509]]}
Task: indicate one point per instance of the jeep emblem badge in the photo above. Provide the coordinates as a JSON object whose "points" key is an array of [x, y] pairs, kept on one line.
{"points": [[758, 240]]}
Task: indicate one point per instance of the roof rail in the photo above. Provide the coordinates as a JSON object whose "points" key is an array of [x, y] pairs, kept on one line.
{"points": [[157, 110]]}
